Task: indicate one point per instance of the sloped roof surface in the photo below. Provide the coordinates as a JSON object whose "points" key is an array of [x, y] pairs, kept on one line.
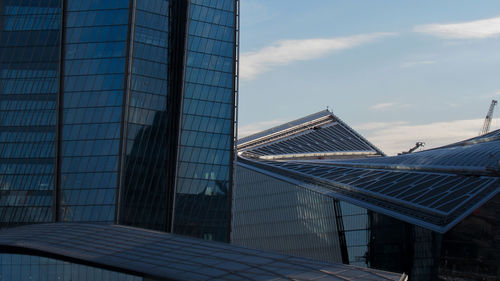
{"points": [[433, 188], [284, 127], [491, 136], [319, 133], [172, 257], [478, 155]]}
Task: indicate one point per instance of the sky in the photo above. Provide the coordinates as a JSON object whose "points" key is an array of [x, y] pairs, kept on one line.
{"points": [[396, 71]]}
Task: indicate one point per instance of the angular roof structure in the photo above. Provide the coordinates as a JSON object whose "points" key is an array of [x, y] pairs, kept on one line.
{"points": [[163, 256], [319, 135], [434, 189], [479, 156], [494, 135]]}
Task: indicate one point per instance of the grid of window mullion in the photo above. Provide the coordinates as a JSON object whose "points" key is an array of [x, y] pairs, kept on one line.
{"points": [[28, 79], [144, 191], [94, 66], [204, 170]]}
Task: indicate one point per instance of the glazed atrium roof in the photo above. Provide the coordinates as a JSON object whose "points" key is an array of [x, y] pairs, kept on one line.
{"points": [[318, 135], [163, 256], [434, 189]]}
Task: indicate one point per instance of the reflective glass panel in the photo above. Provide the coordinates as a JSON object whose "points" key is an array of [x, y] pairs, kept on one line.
{"points": [[94, 83], [29, 61], [144, 192], [203, 196]]}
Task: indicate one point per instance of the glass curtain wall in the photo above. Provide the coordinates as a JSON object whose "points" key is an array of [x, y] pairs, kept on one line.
{"points": [[144, 192], [275, 215], [202, 205], [356, 229], [29, 70], [94, 54], [87, 93], [391, 244], [471, 249]]}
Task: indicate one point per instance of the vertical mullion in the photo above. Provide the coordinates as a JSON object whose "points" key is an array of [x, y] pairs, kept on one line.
{"points": [[59, 108], [125, 109], [341, 231], [179, 20], [234, 117]]}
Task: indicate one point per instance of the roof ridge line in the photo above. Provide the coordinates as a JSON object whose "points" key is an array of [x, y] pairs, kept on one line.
{"points": [[460, 170], [274, 137]]}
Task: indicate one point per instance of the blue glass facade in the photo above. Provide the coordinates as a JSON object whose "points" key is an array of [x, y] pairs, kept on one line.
{"points": [[118, 111], [207, 121], [29, 78], [95, 43], [145, 196]]}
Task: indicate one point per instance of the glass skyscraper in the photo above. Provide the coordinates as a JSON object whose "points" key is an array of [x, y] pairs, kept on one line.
{"points": [[118, 111]]}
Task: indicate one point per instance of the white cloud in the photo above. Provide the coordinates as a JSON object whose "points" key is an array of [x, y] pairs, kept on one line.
{"points": [[393, 138], [478, 29], [253, 128], [287, 51], [417, 63], [379, 125], [388, 105]]}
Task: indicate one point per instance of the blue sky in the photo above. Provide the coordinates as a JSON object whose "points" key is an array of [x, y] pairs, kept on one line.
{"points": [[396, 71]]}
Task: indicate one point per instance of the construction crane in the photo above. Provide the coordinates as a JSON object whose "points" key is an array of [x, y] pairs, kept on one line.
{"points": [[487, 120], [417, 145]]}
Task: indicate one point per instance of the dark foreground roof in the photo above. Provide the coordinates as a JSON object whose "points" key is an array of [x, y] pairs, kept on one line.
{"points": [[434, 189], [170, 257], [321, 134]]}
